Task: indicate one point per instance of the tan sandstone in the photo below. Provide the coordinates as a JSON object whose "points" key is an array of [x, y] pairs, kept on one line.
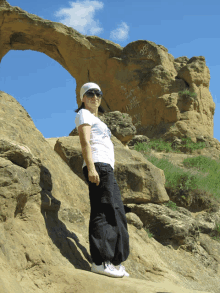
{"points": [[143, 74], [44, 232], [44, 202]]}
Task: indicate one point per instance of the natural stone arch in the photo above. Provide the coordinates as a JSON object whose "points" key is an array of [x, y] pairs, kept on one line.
{"points": [[21, 30], [141, 79]]}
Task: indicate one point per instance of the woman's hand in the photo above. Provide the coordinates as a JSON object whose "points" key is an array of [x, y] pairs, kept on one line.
{"points": [[94, 176]]}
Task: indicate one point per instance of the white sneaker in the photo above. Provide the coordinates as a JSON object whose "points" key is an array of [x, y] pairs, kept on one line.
{"points": [[108, 269], [121, 268]]}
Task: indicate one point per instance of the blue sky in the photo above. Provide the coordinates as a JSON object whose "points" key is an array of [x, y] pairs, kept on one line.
{"points": [[47, 91]]}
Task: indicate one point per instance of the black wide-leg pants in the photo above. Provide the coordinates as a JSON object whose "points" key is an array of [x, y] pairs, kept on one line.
{"points": [[108, 234]]}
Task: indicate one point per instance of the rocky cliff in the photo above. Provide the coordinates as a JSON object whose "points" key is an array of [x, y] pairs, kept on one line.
{"points": [[44, 203], [44, 216], [143, 74]]}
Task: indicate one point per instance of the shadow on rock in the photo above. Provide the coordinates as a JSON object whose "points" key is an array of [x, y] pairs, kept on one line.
{"points": [[66, 241]]}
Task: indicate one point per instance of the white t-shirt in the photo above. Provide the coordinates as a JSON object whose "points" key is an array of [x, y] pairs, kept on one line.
{"points": [[101, 144]]}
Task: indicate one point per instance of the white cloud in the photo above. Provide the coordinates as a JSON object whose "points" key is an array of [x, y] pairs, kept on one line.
{"points": [[121, 33], [81, 16]]}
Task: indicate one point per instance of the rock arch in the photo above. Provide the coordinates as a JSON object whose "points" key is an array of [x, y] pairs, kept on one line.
{"points": [[141, 79]]}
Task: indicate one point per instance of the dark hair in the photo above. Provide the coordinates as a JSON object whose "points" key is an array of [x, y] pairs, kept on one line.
{"points": [[100, 109]]}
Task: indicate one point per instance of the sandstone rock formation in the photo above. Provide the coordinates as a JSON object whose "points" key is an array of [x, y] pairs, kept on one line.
{"points": [[44, 203], [141, 79], [139, 180], [45, 214]]}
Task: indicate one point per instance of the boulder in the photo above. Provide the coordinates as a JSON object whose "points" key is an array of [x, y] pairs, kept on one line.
{"points": [[138, 139], [138, 179], [167, 225], [119, 123], [180, 229], [134, 220], [195, 71]]}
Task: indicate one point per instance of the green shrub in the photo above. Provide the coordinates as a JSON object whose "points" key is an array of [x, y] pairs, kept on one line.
{"points": [[172, 205], [187, 93], [194, 146]]}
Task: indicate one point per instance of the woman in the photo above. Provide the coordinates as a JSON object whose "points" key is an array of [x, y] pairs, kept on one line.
{"points": [[108, 235]]}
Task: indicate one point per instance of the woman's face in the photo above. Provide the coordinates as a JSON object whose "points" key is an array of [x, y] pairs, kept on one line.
{"points": [[91, 103]]}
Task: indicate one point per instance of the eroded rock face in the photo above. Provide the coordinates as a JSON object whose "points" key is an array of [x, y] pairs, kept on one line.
{"points": [[138, 179], [20, 178], [44, 245], [179, 229], [195, 71], [141, 79], [167, 225], [45, 205]]}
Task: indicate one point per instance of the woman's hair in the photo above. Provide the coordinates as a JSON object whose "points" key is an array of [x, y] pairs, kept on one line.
{"points": [[100, 109]]}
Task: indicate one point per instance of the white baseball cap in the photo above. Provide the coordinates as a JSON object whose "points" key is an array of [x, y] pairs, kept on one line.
{"points": [[87, 86]]}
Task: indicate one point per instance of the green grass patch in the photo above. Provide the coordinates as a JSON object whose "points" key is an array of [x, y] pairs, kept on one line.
{"points": [[177, 178]]}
